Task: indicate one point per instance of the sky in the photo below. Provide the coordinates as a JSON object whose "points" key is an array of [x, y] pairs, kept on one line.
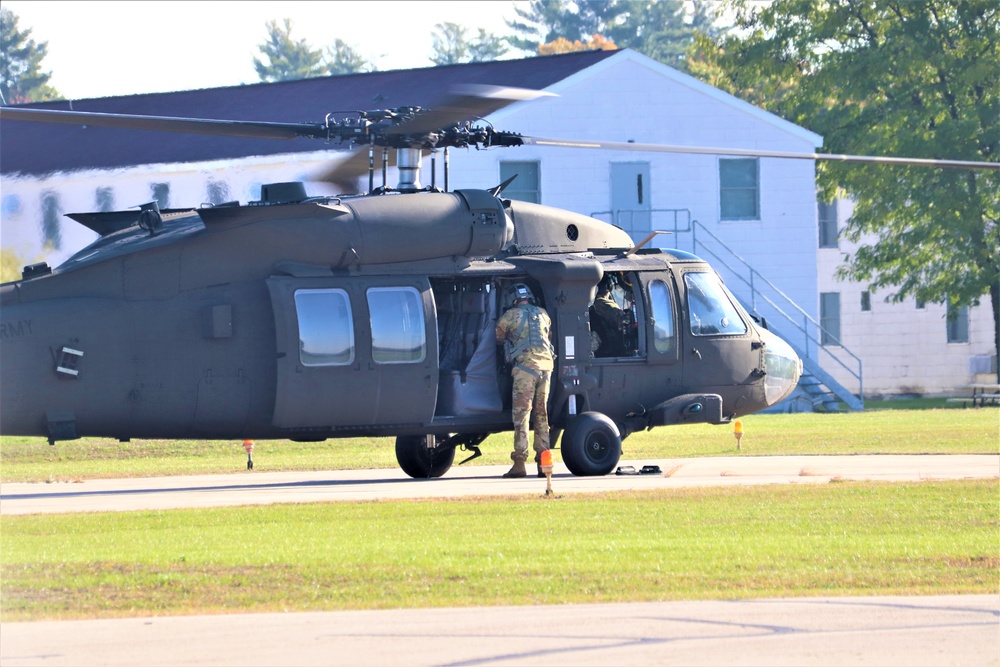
{"points": [[102, 49]]}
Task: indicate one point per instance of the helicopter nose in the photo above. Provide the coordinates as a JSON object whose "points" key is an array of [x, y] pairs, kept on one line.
{"points": [[783, 368]]}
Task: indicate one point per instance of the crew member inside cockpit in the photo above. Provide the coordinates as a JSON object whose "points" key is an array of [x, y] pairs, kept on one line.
{"points": [[611, 325]]}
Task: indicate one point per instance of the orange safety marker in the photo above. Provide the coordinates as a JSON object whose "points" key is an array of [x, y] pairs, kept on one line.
{"points": [[738, 432], [546, 463], [248, 445]]}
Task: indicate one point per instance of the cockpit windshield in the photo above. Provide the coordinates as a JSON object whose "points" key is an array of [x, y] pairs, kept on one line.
{"points": [[712, 313]]}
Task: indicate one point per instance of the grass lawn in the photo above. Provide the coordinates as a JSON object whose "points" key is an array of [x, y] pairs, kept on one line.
{"points": [[835, 539], [842, 538]]}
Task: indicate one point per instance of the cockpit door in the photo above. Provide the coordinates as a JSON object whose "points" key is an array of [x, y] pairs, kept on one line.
{"points": [[719, 343]]}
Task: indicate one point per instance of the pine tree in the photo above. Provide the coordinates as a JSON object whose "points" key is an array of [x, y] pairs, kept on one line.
{"points": [[286, 59], [21, 76]]}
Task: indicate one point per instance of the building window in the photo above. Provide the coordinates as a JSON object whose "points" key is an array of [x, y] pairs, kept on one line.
{"points": [[11, 206], [397, 319], [526, 187], [51, 222], [921, 303], [218, 192], [958, 324], [104, 199], [866, 302], [326, 329], [161, 194], [827, 215], [829, 318], [739, 189]]}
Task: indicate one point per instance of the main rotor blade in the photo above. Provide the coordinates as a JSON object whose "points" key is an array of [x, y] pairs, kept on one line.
{"points": [[465, 102], [699, 150], [344, 174], [228, 128]]}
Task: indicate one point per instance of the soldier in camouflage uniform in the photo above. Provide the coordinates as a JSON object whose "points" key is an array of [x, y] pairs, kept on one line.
{"points": [[525, 332]]}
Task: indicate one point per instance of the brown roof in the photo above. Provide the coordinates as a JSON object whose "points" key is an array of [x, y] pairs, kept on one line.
{"points": [[37, 148]]}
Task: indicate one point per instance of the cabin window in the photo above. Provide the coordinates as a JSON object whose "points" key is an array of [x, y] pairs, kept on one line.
{"points": [[827, 216], [526, 186], [711, 311], [829, 318], [958, 324], [664, 338], [739, 189], [326, 328], [397, 318]]}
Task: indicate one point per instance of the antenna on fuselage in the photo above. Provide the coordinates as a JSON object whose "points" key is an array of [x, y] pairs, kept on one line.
{"points": [[643, 242]]}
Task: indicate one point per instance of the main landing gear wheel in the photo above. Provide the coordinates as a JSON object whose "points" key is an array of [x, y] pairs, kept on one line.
{"points": [[420, 461], [591, 445]]}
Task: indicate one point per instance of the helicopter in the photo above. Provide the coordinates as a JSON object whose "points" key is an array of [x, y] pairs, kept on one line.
{"points": [[373, 314]]}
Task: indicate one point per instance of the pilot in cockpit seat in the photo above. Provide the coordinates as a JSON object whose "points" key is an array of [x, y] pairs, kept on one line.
{"points": [[609, 321]]}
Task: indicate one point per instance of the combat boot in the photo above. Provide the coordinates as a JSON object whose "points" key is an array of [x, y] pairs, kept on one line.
{"points": [[516, 470], [538, 464]]}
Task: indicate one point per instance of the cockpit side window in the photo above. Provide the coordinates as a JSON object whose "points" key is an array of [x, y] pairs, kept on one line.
{"points": [[664, 337], [711, 311]]}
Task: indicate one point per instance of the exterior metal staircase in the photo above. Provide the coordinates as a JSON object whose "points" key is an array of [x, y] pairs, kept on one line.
{"points": [[818, 389]]}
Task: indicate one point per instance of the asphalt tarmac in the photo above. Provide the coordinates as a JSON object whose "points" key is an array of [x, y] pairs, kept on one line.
{"points": [[937, 630], [260, 487], [912, 631]]}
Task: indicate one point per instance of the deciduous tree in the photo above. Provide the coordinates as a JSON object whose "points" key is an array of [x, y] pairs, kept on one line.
{"points": [[563, 45], [916, 78], [660, 29]]}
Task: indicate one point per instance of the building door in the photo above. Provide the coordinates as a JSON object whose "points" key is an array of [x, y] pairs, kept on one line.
{"points": [[631, 197]]}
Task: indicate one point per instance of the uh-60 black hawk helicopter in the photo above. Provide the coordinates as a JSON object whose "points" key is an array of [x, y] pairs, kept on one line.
{"points": [[312, 318]]}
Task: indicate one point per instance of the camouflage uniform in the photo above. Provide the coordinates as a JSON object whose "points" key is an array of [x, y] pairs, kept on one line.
{"points": [[531, 373], [609, 328]]}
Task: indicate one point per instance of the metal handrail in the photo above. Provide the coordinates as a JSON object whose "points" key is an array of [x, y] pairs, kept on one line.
{"points": [[753, 282], [617, 218]]}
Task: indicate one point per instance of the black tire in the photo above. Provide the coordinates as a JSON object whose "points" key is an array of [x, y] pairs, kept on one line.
{"points": [[421, 462], [591, 445]]}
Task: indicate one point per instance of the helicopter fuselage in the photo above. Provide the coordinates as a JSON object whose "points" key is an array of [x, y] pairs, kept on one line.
{"points": [[367, 316]]}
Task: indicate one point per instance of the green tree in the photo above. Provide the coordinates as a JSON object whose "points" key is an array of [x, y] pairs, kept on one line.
{"points": [[21, 76], [660, 29], [285, 59], [545, 21], [341, 58], [452, 45], [916, 78]]}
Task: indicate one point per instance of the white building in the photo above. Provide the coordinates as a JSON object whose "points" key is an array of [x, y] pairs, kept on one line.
{"points": [[907, 348]]}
